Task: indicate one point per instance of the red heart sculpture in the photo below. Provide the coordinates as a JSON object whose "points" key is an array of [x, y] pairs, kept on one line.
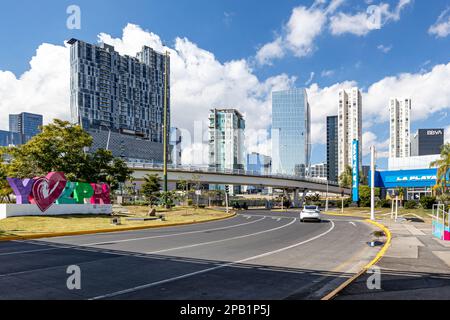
{"points": [[46, 190]]}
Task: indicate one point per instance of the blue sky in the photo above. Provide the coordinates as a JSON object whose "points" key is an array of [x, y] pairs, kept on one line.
{"points": [[235, 30]]}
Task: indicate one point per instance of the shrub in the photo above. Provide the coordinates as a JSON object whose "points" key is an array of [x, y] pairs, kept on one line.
{"points": [[411, 204], [384, 204], [427, 202], [364, 203]]}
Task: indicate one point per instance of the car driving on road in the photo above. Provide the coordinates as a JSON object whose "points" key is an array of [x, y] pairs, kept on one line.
{"points": [[310, 213]]}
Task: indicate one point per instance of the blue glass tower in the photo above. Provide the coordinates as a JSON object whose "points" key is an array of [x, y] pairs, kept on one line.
{"points": [[291, 128], [26, 124]]}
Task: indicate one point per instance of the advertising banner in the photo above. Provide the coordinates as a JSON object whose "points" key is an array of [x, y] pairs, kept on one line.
{"points": [[355, 170]]}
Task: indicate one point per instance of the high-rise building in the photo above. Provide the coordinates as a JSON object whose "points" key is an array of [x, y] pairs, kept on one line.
{"points": [[427, 142], [8, 138], [175, 142], [318, 171], [226, 142], [350, 127], [26, 124], [400, 126], [119, 99], [291, 128], [332, 149], [259, 163]]}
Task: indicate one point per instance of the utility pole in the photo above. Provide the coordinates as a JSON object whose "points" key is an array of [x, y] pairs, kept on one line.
{"points": [[326, 203], [165, 121], [372, 183]]}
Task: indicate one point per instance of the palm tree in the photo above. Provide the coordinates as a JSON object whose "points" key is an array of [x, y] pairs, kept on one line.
{"points": [[443, 169]]}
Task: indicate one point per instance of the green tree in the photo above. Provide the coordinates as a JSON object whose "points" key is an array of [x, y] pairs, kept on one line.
{"points": [[443, 169], [61, 146], [345, 179], [151, 188], [5, 189]]}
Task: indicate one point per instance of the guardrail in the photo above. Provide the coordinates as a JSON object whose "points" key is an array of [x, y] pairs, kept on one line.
{"points": [[441, 222], [205, 169]]}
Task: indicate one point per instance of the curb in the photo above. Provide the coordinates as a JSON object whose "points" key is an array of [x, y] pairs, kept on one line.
{"points": [[377, 258], [88, 232]]}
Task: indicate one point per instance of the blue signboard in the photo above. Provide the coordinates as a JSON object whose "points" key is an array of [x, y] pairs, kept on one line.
{"points": [[414, 178], [355, 170]]}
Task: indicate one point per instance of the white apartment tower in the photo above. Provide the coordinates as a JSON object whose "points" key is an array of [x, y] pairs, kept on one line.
{"points": [[349, 126], [400, 142]]}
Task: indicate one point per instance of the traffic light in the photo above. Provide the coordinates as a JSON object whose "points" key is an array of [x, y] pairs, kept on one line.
{"points": [[227, 189]]}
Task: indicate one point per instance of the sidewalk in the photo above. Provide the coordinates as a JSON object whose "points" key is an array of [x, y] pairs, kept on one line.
{"points": [[415, 267]]}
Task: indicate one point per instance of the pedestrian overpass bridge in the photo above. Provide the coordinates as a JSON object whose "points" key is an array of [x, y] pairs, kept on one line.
{"points": [[208, 175]]}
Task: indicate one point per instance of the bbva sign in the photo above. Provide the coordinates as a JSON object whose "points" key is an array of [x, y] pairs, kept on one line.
{"points": [[54, 188]]}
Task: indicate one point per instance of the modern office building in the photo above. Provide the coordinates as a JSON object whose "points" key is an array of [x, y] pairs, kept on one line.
{"points": [[400, 128], [427, 142], [318, 171], [226, 142], [26, 124], [9, 139], [350, 127], [175, 142], [332, 149], [291, 132], [259, 164], [119, 99]]}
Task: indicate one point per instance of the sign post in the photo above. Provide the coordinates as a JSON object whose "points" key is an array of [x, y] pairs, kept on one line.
{"points": [[355, 171]]}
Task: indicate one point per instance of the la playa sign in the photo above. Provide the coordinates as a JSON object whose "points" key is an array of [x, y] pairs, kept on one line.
{"points": [[54, 195]]}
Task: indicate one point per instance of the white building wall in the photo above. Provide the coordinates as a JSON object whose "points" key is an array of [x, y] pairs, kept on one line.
{"points": [[400, 128]]}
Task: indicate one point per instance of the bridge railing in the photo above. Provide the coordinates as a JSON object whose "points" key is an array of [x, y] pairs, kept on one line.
{"points": [[207, 169]]}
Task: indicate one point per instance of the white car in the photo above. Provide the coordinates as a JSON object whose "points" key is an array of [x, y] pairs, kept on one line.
{"points": [[310, 213]]}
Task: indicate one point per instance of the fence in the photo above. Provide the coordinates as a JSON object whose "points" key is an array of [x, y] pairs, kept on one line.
{"points": [[441, 222]]}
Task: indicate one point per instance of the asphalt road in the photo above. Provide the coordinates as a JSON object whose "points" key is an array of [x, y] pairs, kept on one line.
{"points": [[256, 255]]}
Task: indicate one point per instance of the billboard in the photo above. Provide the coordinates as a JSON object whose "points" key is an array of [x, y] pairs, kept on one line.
{"points": [[418, 178], [355, 170]]}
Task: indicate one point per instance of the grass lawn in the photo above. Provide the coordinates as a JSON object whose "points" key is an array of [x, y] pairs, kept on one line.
{"points": [[34, 226], [383, 212]]}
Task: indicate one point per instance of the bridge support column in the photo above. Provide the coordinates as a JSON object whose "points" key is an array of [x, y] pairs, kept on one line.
{"points": [[302, 202], [297, 198]]}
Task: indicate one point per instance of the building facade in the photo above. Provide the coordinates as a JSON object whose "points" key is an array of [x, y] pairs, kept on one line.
{"points": [[175, 142], [332, 149], [226, 139], [26, 124], [291, 132], [318, 171], [259, 164], [427, 142], [400, 128], [122, 95], [9, 139], [350, 127]]}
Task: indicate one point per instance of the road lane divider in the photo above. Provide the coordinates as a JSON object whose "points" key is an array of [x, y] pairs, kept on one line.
{"points": [[218, 267], [363, 271], [223, 240], [173, 234]]}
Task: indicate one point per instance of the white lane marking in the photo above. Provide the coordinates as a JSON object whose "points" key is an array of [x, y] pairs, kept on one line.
{"points": [[153, 284], [27, 251], [222, 240], [171, 235], [352, 223]]}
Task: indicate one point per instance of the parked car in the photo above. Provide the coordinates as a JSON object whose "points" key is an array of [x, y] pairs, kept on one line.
{"points": [[310, 213]]}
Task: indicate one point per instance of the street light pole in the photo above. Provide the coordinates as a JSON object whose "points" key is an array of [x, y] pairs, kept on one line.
{"points": [[372, 183], [165, 120], [326, 203]]}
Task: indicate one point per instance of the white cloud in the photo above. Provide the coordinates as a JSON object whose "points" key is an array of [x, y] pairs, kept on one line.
{"points": [[310, 79], [370, 139], [447, 135], [441, 28], [44, 88], [270, 51], [304, 26], [384, 49], [327, 73], [361, 23]]}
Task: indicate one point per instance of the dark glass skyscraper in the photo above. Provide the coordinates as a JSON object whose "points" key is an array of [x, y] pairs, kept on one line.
{"points": [[427, 142], [332, 149], [291, 127], [120, 99], [26, 124]]}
